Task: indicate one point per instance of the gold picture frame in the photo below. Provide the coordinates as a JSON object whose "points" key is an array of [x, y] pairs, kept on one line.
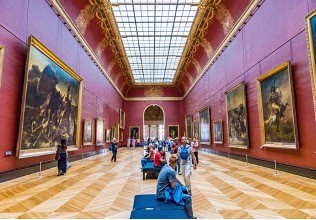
{"points": [[99, 133], [173, 131], [277, 114], [1, 62], [121, 136], [51, 103], [108, 135], [87, 132], [117, 132], [196, 129], [134, 132], [122, 119], [218, 132], [188, 126], [310, 24], [237, 117], [205, 127]]}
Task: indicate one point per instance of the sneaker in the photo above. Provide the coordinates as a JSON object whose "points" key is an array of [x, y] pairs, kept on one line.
{"points": [[179, 173]]}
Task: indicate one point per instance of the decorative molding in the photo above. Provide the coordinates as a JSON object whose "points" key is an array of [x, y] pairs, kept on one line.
{"points": [[66, 19], [153, 91], [154, 99], [101, 46], [84, 18], [207, 47], [196, 64], [225, 18], [1, 62]]}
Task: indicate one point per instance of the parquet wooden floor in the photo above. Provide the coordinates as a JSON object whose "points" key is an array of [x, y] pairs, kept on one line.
{"points": [[97, 188]]}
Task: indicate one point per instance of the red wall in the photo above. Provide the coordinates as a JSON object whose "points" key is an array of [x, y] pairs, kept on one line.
{"points": [[134, 114], [17, 23], [273, 35]]}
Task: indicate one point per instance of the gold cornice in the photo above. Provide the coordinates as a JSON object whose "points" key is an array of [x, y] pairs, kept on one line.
{"points": [[225, 18], [101, 46], [84, 18], [154, 99], [153, 91]]}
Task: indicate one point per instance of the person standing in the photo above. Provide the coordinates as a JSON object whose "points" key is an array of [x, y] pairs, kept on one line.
{"points": [[195, 149], [61, 157], [133, 143], [114, 149], [186, 154], [128, 142], [167, 181]]}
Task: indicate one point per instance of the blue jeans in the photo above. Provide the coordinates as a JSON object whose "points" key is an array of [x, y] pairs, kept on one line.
{"points": [[145, 160]]}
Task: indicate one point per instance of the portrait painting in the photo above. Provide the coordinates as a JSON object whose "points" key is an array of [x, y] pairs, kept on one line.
{"points": [[122, 119], [218, 132], [87, 132], [51, 103], [173, 131], [134, 132], [277, 115], [310, 27], [108, 135], [99, 132], [204, 121], [188, 126], [196, 128], [237, 119]]}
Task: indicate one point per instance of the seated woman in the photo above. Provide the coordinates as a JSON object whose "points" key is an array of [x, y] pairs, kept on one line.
{"points": [[170, 189], [159, 162], [149, 157]]}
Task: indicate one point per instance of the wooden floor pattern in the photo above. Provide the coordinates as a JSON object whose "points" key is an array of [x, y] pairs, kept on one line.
{"points": [[97, 188]]}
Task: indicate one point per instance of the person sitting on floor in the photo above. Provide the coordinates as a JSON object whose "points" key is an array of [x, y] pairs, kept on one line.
{"points": [[170, 189], [159, 162]]}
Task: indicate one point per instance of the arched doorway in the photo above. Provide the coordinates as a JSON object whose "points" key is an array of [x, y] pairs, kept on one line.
{"points": [[154, 122]]}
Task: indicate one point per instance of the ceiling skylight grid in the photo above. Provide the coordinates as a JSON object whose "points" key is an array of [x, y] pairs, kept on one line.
{"points": [[154, 33]]}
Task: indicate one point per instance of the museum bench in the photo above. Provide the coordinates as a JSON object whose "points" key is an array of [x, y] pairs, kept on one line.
{"points": [[150, 169]]}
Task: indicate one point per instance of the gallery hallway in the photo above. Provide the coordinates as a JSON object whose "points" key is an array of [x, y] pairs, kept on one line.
{"points": [[97, 188]]}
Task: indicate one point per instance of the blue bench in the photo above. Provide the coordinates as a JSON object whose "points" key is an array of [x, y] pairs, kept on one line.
{"points": [[146, 206], [149, 168]]}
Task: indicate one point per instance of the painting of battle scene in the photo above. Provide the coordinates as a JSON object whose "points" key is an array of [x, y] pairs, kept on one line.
{"points": [[237, 116], [276, 108], [51, 103]]}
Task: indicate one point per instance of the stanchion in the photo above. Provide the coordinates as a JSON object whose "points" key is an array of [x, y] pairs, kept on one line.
{"points": [[275, 168], [247, 161], [40, 170]]}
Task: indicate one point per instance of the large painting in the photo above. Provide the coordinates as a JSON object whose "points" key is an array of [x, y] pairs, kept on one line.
{"points": [[196, 128], [218, 132], [204, 121], [51, 103], [99, 132], [237, 120], [134, 132], [173, 131], [277, 108], [188, 126], [311, 41], [122, 119], [108, 135], [87, 132]]}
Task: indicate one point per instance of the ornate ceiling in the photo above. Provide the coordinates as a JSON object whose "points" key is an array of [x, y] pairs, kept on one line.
{"points": [[211, 30]]}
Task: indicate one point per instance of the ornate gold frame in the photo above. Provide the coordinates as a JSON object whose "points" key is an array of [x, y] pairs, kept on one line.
{"points": [[178, 133], [311, 53], [99, 122], [209, 125], [33, 42], [122, 119], [186, 126], [214, 131], [129, 132], [108, 135], [1, 62], [283, 66], [86, 123], [244, 100]]}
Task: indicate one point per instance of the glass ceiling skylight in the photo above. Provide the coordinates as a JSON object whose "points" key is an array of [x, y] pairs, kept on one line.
{"points": [[154, 33]]}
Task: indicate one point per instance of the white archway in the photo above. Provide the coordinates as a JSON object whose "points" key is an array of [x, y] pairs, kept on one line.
{"points": [[154, 128]]}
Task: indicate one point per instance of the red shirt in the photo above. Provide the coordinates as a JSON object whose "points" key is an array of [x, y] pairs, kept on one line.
{"points": [[157, 159]]}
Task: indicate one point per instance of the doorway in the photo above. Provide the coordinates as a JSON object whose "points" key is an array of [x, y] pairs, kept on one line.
{"points": [[154, 122]]}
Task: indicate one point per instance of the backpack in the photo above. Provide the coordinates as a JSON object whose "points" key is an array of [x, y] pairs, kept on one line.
{"points": [[184, 153]]}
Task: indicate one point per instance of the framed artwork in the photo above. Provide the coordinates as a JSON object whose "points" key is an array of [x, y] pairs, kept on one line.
{"points": [[134, 132], [218, 132], [117, 132], [310, 23], [51, 103], [122, 119], [87, 132], [113, 132], [121, 135], [196, 128], [108, 136], [1, 62], [237, 120], [173, 131], [204, 121], [188, 126], [99, 132], [277, 115]]}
